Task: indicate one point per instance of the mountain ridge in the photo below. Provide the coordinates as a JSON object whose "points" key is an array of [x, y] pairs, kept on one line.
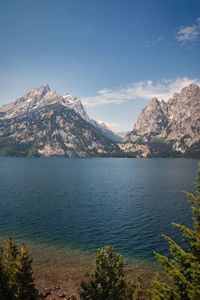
{"points": [[44, 123]]}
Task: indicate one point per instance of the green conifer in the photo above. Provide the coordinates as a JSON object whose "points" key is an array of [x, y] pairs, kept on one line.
{"points": [[24, 276], [3, 278], [107, 280], [183, 267], [9, 256], [16, 281]]}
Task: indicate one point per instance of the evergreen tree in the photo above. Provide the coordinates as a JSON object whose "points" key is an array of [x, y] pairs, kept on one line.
{"points": [[183, 267], [3, 278], [9, 256], [24, 276], [16, 282], [107, 280]]}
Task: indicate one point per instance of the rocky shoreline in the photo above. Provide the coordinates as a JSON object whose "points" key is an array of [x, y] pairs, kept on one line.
{"points": [[63, 282]]}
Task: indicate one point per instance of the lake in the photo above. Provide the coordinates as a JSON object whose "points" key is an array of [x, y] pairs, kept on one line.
{"points": [[84, 204]]}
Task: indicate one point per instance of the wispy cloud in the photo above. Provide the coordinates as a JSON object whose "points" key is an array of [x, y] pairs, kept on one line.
{"points": [[111, 125], [163, 89], [188, 34], [152, 43]]}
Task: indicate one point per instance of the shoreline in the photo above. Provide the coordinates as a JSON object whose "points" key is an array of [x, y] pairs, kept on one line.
{"points": [[59, 271], [56, 280]]}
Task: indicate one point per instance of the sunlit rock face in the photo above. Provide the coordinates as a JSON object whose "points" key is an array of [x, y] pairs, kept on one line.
{"points": [[175, 123]]}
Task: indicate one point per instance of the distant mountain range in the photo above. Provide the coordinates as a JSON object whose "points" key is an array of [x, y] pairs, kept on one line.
{"points": [[44, 123]]}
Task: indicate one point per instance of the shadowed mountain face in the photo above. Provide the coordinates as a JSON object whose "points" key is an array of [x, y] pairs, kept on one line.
{"points": [[45, 123], [169, 126]]}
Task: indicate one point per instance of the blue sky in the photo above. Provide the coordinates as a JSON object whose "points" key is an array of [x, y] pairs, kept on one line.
{"points": [[115, 54]]}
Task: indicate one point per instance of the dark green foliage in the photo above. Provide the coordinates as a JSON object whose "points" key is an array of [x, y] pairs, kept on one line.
{"points": [[183, 268], [23, 276], [162, 148], [193, 151], [16, 281], [9, 256], [3, 279], [137, 289], [107, 280]]}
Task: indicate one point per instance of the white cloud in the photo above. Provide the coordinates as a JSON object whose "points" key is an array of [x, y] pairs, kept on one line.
{"points": [[153, 42], [187, 34], [111, 125], [163, 89]]}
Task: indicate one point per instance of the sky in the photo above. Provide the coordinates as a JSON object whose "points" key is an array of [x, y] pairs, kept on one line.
{"points": [[114, 54]]}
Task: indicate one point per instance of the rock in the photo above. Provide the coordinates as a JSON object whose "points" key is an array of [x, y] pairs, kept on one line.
{"points": [[72, 298], [45, 293], [61, 295], [57, 287]]}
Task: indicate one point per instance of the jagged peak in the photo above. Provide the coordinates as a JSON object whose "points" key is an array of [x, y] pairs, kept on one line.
{"points": [[38, 91], [70, 97], [154, 102], [45, 86], [103, 124], [192, 87], [41, 89]]}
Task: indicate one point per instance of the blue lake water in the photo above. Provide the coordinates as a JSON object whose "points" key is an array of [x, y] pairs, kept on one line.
{"points": [[86, 203]]}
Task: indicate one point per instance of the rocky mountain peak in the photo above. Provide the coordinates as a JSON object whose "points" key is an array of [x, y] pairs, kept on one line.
{"points": [[154, 101], [40, 98], [175, 122], [153, 104], [43, 88], [36, 92], [103, 125], [151, 119], [189, 92], [192, 88], [76, 104], [37, 97], [69, 97]]}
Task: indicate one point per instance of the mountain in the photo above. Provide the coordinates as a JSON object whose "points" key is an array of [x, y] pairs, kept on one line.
{"points": [[75, 104], [44, 123], [169, 128], [123, 134], [107, 131]]}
